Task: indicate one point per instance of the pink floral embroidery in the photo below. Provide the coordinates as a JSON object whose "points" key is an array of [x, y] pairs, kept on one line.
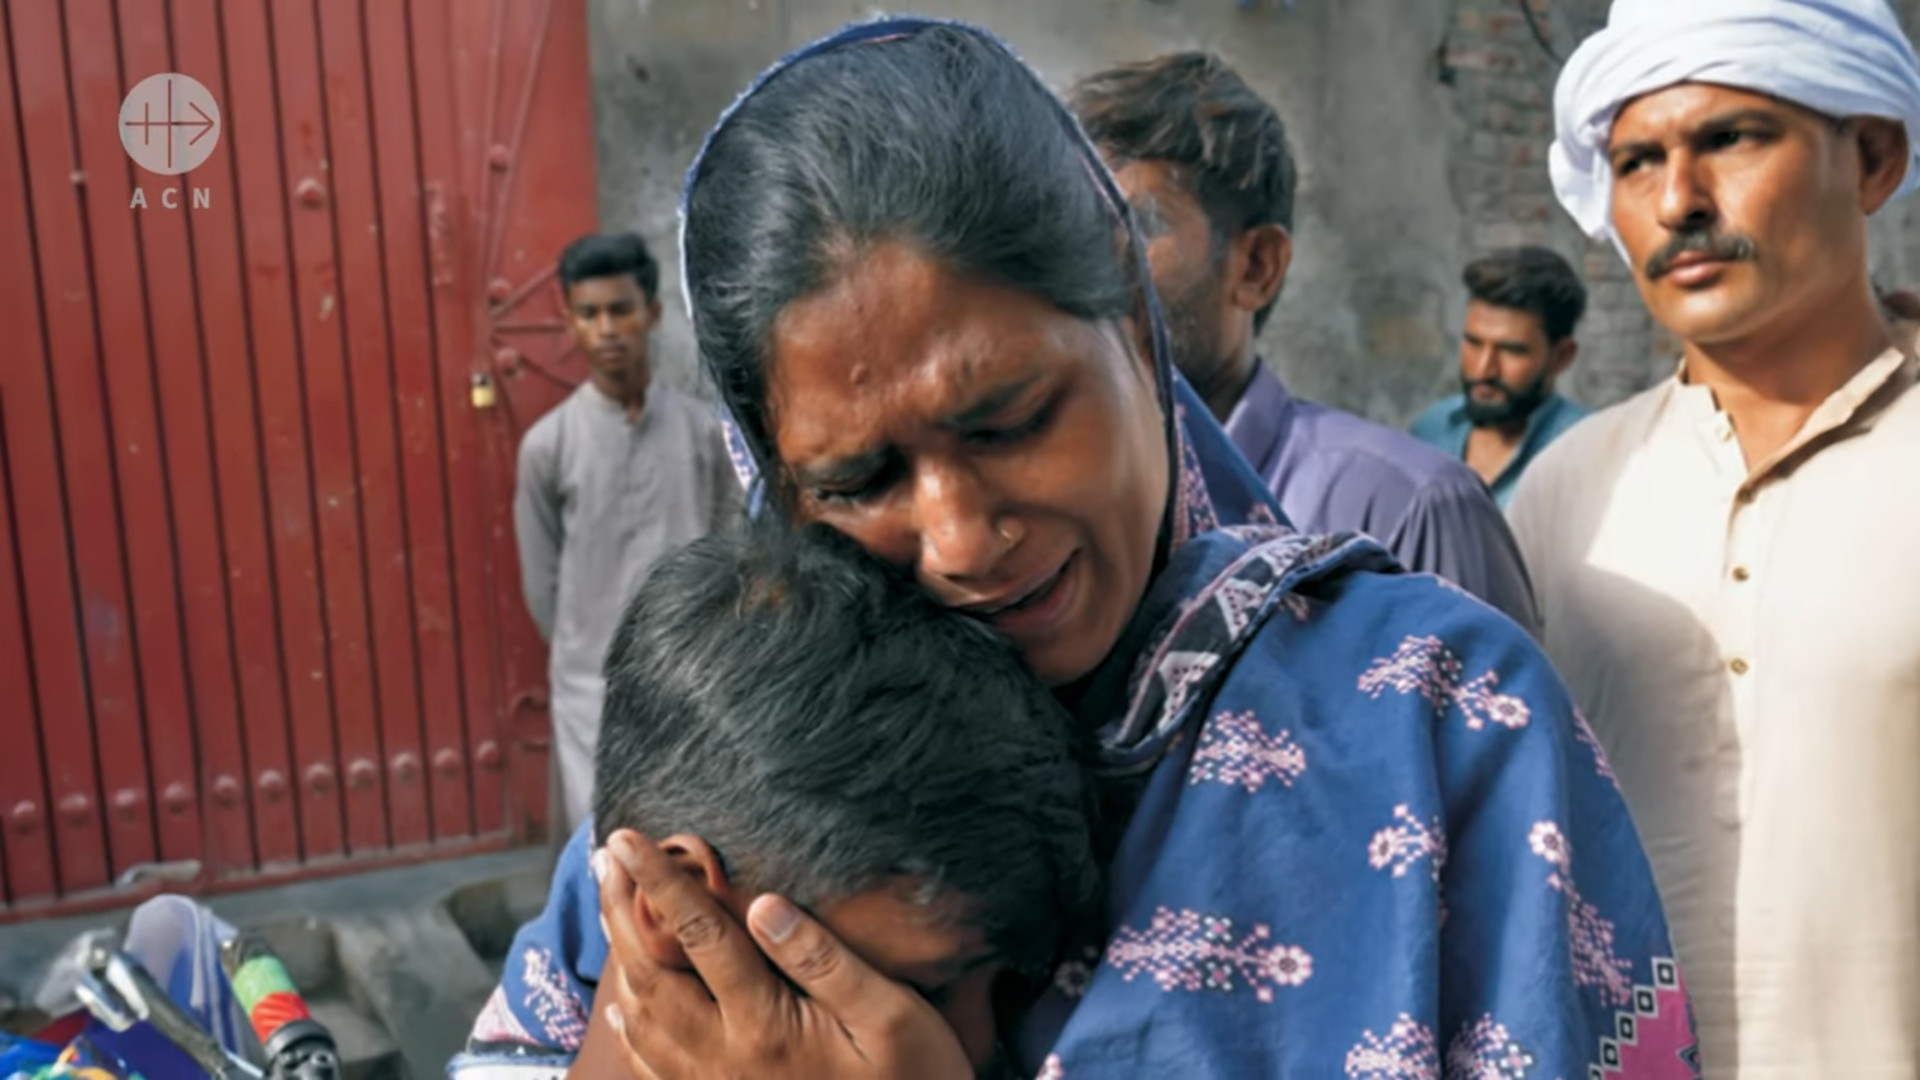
{"points": [[1051, 1069], [1257, 535], [1407, 1052], [497, 1023], [1549, 843], [1282, 549], [1196, 513], [1238, 600], [1584, 732], [1188, 950], [559, 1010], [1423, 666], [1073, 977], [1234, 750], [1181, 671], [1589, 937], [1406, 843], [1484, 1051]]}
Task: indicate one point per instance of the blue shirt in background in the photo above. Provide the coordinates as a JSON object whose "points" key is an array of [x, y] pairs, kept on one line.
{"points": [[1333, 471], [1445, 427]]}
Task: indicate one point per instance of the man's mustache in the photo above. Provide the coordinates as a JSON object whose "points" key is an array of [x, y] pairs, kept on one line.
{"points": [[1725, 247]]}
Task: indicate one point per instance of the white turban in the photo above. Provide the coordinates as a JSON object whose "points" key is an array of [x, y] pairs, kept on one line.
{"points": [[1840, 58]]}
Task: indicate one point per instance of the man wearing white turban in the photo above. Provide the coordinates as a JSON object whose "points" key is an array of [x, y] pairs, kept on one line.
{"points": [[1725, 564]]}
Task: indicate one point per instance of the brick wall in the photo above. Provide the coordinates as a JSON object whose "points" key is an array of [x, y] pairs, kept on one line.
{"points": [[1503, 86], [1502, 81]]}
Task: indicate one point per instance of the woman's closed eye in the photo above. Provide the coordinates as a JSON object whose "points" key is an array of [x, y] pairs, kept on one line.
{"points": [[1013, 431], [855, 493], [856, 487]]}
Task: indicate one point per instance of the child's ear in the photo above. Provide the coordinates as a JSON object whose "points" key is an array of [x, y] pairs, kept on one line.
{"points": [[697, 859]]}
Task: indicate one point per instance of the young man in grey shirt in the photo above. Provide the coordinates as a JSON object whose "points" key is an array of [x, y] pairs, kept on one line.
{"points": [[618, 475]]}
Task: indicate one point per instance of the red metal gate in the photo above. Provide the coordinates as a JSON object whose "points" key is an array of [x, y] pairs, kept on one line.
{"points": [[258, 600]]}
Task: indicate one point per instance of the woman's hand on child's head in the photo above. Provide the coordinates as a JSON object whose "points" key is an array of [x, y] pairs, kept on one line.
{"points": [[851, 1022]]}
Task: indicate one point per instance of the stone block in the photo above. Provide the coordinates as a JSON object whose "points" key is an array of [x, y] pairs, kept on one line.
{"points": [[419, 978], [367, 1050], [489, 913], [305, 946]]}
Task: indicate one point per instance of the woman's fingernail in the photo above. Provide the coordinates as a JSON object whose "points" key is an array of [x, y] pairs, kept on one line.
{"points": [[614, 1021], [599, 864], [777, 918]]}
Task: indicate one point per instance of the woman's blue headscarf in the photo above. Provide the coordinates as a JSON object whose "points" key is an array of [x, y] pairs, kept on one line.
{"points": [[1370, 836]]}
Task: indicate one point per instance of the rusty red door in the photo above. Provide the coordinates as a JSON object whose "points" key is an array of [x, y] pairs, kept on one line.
{"points": [[258, 599]]}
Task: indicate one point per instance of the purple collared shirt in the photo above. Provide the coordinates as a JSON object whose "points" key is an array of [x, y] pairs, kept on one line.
{"points": [[1333, 471]]}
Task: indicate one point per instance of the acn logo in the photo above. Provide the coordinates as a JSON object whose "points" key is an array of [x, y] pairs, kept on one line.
{"points": [[169, 123]]}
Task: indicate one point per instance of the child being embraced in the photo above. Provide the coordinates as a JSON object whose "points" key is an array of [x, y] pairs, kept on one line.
{"points": [[784, 714]]}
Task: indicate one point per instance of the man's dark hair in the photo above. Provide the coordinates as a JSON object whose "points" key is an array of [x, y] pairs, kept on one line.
{"points": [[1530, 279], [610, 255], [827, 727], [1194, 112], [939, 139]]}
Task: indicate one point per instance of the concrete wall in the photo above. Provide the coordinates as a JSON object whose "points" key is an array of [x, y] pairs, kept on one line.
{"points": [[1420, 127]]}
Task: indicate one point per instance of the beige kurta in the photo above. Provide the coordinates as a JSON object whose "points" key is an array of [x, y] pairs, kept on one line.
{"points": [[601, 497], [1747, 647]]}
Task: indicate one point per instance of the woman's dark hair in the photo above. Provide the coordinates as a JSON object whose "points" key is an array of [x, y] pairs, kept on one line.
{"points": [[828, 728], [941, 140]]}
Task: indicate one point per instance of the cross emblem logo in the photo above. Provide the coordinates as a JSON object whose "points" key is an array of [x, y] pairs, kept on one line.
{"points": [[169, 123]]}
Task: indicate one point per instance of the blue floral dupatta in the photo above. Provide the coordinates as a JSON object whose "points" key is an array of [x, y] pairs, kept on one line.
{"points": [[1375, 840]]}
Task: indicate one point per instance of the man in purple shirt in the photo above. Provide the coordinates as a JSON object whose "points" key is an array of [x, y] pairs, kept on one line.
{"points": [[1205, 163]]}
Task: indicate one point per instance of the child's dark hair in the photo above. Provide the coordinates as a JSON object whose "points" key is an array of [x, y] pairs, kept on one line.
{"points": [[828, 727], [599, 255]]}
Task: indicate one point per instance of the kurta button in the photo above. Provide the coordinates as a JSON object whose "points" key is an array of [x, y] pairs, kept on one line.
{"points": [[1737, 665], [1740, 573]]}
